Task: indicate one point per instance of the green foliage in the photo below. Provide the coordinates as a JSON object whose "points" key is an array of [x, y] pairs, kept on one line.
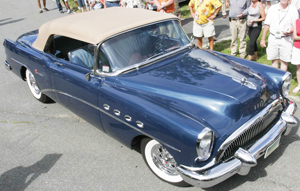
{"points": [[185, 10]]}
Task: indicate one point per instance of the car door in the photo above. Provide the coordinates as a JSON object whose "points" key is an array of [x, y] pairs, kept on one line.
{"points": [[75, 92]]}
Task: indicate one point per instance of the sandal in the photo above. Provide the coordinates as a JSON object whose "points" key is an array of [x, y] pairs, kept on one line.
{"points": [[296, 89]]}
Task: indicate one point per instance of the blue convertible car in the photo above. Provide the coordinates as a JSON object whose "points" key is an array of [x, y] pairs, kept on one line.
{"points": [[198, 116]]}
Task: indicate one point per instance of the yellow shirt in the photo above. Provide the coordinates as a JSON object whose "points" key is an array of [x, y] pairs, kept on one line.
{"points": [[205, 9]]}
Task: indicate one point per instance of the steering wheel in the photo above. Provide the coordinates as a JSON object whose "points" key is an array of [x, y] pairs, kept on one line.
{"points": [[159, 44]]}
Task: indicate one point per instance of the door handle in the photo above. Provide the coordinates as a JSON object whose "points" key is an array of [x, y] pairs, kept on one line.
{"points": [[58, 64]]}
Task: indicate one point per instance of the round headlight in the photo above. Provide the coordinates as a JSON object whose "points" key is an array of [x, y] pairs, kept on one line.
{"points": [[286, 82], [204, 144]]}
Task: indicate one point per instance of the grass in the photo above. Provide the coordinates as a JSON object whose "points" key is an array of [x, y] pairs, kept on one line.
{"points": [[185, 10]]}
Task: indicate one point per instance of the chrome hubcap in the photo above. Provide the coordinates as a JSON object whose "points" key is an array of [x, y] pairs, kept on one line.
{"points": [[163, 160], [33, 84]]}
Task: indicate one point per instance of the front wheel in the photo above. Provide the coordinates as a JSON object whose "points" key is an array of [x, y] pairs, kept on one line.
{"points": [[161, 162], [34, 89]]}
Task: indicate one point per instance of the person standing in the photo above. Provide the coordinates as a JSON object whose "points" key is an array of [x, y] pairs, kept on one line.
{"points": [[69, 10], [44, 4], [95, 4], [111, 3], [165, 6], [238, 25], [256, 15], [296, 53], [150, 5], [203, 12], [266, 5], [81, 5], [223, 9], [60, 9], [279, 21]]}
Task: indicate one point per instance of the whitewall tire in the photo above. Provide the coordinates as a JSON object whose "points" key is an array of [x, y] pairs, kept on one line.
{"points": [[161, 162], [34, 89]]}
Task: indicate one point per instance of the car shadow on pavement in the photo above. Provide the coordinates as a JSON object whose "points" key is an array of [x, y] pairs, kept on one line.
{"points": [[9, 22], [259, 171], [19, 178]]}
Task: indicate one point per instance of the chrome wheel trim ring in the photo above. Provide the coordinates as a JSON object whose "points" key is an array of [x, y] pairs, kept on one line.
{"points": [[161, 162], [35, 90]]}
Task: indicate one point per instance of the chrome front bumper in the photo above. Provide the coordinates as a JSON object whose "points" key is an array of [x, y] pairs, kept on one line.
{"points": [[243, 159]]}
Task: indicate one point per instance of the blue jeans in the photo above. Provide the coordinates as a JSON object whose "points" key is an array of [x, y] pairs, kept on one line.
{"points": [[81, 3], [112, 4], [58, 5]]}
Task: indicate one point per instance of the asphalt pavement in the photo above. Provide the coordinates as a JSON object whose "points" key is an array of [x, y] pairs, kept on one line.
{"points": [[46, 147]]}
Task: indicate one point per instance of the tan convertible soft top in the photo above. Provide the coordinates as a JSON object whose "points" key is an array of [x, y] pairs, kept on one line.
{"points": [[95, 26]]}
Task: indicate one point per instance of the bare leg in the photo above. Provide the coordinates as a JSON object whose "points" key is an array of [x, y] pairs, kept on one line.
{"points": [[275, 63], [211, 42], [67, 5], [249, 57], [39, 4], [199, 39], [255, 56], [297, 88], [298, 75], [284, 66]]}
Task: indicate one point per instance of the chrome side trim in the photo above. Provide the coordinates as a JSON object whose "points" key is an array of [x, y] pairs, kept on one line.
{"points": [[112, 116]]}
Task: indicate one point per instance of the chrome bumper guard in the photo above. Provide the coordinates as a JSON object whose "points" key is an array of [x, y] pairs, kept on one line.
{"points": [[243, 159], [7, 66]]}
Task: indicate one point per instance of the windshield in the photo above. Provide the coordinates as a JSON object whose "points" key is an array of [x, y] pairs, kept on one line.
{"points": [[144, 44]]}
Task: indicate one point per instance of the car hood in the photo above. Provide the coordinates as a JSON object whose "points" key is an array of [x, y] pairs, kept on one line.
{"points": [[211, 89]]}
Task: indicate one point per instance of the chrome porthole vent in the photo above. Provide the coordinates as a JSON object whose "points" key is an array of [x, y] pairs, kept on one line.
{"points": [[140, 124], [127, 118], [106, 107], [117, 112]]}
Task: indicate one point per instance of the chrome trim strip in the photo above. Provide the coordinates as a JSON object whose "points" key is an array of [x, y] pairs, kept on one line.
{"points": [[18, 62], [112, 116]]}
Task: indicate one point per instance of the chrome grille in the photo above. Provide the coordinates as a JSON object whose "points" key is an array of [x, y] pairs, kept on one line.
{"points": [[253, 132]]}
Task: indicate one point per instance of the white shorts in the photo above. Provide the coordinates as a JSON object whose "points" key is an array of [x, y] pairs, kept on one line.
{"points": [[280, 48], [295, 56], [206, 30]]}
